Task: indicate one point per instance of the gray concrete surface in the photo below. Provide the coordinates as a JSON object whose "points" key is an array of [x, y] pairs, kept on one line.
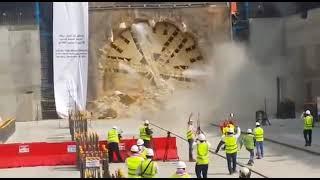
{"points": [[290, 131]]}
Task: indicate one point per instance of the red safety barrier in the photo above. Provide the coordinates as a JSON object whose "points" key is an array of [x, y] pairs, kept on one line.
{"points": [[64, 153], [37, 154]]}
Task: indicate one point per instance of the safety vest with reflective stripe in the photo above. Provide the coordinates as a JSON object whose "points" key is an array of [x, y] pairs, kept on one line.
{"points": [[308, 122], [249, 141], [190, 134], [151, 171], [181, 176], [113, 136], [231, 144], [143, 134], [134, 163], [258, 132], [203, 153]]}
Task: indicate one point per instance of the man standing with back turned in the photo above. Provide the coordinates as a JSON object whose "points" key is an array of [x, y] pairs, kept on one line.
{"points": [[307, 130], [259, 134]]}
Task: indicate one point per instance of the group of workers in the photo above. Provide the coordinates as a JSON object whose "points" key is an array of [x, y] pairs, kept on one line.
{"points": [[230, 135], [140, 163]]}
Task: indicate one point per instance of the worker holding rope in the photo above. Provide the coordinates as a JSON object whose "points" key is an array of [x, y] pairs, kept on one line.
{"points": [[191, 133], [146, 134]]}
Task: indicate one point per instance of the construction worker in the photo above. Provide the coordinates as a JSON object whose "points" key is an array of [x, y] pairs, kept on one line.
{"points": [[259, 134], [249, 142], [142, 149], [191, 132], [181, 171], [145, 133], [244, 173], [202, 162], [308, 125], [134, 163], [113, 143], [149, 168], [230, 140]]}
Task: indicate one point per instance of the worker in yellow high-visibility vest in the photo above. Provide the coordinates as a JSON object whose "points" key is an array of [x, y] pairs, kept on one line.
{"points": [[181, 171], [191, 133], [149, 168], [142, 149], [134, 163], [202, 162], [259, 136], [308, 125], [145, 133], [113, 144], [230, 141]]}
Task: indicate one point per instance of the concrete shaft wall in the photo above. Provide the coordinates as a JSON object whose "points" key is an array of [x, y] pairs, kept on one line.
{"points": [[20, 71], [302, 37]]}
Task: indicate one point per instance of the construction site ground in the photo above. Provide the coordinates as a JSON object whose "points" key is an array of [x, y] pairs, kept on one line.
{"points": [[279, 160]]}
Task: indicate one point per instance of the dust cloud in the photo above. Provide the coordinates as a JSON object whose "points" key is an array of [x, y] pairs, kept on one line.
{"points": [[227, 84]]}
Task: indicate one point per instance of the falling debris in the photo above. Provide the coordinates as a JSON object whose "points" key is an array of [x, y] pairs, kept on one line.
{"points": [[142, 67]]}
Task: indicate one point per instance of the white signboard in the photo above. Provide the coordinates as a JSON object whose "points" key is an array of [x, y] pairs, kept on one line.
{"points": [[70, 55], [92, 163], [24, 149], [72, 148]]}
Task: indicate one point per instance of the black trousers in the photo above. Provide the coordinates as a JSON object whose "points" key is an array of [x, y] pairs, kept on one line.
{"points": [[114, 147], [146, 143], [202, 170], [307, 136], [190, 141], [232, 162]]}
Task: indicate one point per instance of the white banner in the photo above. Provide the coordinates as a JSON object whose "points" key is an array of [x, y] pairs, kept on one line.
{"points": [[70, 55]]}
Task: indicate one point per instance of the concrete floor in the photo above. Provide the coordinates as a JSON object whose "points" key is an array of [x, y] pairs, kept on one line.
{"points": [[279, 161]]}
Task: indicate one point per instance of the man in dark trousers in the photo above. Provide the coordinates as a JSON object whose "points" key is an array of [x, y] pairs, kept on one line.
{"points": [[308, 125], [113, 144], [202, 162], [230, 140]]}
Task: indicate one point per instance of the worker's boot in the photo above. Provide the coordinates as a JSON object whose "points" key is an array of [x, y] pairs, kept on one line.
{"points": [[250, 163]]}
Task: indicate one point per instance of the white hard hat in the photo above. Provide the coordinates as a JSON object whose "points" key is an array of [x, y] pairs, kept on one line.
{"points": [[134, 148], [308, 112], [231, 114], [114, 127], [181, 165], [202, 137], [150, 152], [140, 142], [146, 122], [191, 120], [249, 131], [244, 171], [257, 124]]}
